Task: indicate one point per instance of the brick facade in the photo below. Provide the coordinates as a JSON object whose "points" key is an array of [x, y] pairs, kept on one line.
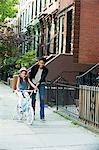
{"points": [[85, 29], [64, 6], [76, 30], [89, 32]]}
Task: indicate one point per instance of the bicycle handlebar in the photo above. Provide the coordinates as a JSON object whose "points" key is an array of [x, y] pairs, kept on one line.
{"points": [[23, 91]]}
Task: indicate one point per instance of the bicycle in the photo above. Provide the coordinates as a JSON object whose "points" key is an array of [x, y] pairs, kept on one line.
{"points": [[25, 112]]}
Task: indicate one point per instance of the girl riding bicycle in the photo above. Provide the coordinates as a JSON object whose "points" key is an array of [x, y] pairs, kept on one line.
{"points": [[23, 83]]}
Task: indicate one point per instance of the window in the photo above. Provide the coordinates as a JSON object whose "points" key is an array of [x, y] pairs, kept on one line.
{"points": [[29, 14], [45, 1], [61, 37], [62, 34], [26, 17], [23, 21], [38, 41], [34, 40], [36, 8], [48, 37], [55, 39], [32, 10], [69, 32], [40, 5]]}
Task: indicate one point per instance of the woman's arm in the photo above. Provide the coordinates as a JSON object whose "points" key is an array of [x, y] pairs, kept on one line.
{"points": [[32, 84]]}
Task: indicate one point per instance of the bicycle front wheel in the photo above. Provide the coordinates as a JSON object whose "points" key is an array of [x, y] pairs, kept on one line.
{"points": [[19, 113], [30, 116]]}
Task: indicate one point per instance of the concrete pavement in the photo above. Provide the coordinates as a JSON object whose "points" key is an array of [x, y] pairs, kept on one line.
{"points": [[54, 134]]}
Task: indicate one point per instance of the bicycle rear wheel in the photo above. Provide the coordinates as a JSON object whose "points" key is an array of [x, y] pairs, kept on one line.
{"points": [[30, 116]]}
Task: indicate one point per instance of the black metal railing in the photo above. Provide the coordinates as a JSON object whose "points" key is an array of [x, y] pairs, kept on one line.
{"points": [[90, 77], [89, 104], [79, 100], [60, 93]]}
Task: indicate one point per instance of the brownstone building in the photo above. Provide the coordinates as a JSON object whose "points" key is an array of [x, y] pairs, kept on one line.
{"points": [[79, 30], [67, 32], [78, 47], [48, 21]]}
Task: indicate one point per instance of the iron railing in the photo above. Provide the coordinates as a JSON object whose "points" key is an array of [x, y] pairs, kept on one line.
{"points": [[84, 99], [90, 77], [60, 93], [89, 104]]}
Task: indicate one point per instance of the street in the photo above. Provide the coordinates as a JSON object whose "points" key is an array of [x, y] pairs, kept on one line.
{"points": [[56, 133]]}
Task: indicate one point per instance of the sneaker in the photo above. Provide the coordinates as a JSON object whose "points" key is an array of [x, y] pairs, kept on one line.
{"points": [[34, 117], [43, 119]]}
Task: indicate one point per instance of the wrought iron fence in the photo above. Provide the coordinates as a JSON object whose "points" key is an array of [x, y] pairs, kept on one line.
{"points": [[89, 104], [60, 93], [90, 77], [85, 98]]}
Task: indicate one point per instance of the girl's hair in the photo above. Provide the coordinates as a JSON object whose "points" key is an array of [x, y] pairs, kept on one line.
{"points": [[21, 79]]}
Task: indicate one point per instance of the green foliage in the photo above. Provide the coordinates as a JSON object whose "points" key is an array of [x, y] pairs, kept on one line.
{"points": [[8, 44], [8, 67], [10, 58], [13, 64], [74, 123], [26, 60], [8, 9]]}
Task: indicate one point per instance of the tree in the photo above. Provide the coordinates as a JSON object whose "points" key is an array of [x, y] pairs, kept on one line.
{"points": [[7, 9], [26, 60], [8, 50], [10, 56], [8, 43]]}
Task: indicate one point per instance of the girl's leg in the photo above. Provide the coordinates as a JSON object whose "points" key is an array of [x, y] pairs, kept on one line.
{"points": [[20, 98]]}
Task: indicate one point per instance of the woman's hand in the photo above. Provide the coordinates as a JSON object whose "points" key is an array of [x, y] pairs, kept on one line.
{"points": [[36, 88]]}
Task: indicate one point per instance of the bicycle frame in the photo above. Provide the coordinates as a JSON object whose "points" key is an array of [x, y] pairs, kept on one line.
{"points": [[26, 106]]}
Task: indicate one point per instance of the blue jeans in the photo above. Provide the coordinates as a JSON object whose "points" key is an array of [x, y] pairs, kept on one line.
{"points": [[42, 95]]}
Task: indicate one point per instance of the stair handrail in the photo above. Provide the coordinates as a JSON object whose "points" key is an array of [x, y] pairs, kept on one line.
{"points": [[92, 68]]}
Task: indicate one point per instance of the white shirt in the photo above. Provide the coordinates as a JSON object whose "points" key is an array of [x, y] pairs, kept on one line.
{"points": [[37, 78]]}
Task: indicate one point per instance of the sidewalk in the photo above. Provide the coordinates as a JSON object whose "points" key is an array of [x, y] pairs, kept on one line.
{"points": [[72, 113], [56, 133]]}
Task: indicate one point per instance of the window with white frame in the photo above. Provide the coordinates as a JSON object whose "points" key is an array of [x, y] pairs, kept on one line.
{"points": [[21, 24], [26, 17], [29, 14], [69, 32], [40, 5], [61, 37], [32, 10], [50, 1], [23, 20], [35, 7], [45, 2]]}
